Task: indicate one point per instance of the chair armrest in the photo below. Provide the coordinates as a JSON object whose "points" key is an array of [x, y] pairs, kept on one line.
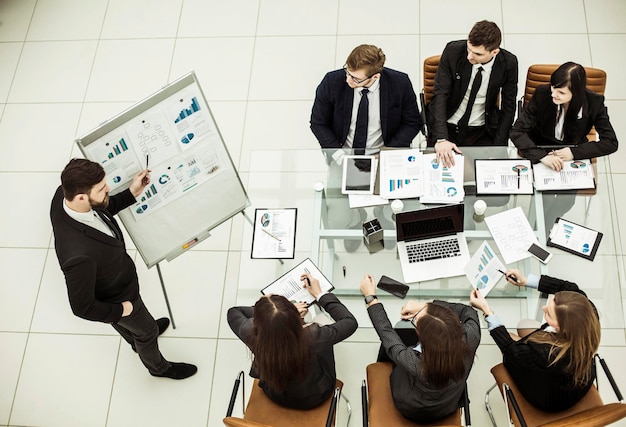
{"points": [[466, 407], [511, 397], [333, 407], [609, 376], [364, 404], [423, 112]]}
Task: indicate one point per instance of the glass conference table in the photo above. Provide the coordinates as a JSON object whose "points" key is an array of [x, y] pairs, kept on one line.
{"points": [[339, 249]]}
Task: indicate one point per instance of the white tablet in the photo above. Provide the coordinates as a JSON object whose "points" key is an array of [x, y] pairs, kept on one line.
{"points": [[359, 174]]}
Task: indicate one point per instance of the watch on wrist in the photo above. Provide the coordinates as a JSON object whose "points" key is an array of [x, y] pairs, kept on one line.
{"points": [[370, 298]]}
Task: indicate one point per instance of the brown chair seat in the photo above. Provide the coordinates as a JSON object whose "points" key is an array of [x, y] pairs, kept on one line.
{"points": [[382, 411]]}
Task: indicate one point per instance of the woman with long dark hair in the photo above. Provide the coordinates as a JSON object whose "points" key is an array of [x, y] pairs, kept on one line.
{"points": [[552, 365], [562, 113], [294, 362], [428, 380]]}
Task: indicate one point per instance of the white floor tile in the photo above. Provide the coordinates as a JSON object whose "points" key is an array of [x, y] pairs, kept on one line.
{"points": [[605, 16], [141, 399], [95, 114], [202, 18], [16, 16], [53, 72], [71, 385], [616, 110], [13, 346], [9, 55], [524, 19], [22, 270], [222, 65], [604, 57], [230, 118], [307, 17], [141, 19], [277, 73], [67, 20], [465, 15], [129, 70], [26, 209], [397, 17], [53, 149]]}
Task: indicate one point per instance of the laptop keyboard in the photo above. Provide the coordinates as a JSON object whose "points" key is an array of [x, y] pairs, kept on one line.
{"points": [[426, 251]]}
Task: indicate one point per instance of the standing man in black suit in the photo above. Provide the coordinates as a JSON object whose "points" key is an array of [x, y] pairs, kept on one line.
{"points": [[473, 77], [392, 117], [101, 277]]}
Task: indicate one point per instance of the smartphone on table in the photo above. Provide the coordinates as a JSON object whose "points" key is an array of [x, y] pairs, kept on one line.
{"points": [[392, 286], [540, 253]]}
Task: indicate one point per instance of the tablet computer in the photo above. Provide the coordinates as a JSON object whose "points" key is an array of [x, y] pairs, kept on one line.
{"points": [[359, 174]]}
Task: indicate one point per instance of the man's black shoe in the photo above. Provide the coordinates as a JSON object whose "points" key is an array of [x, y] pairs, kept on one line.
{"points": [[163, 323], [178, 371]]}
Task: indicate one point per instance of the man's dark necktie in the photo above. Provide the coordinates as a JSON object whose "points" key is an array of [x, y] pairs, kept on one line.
{"points": [[360, 131], [463, 122], [108, 221]]}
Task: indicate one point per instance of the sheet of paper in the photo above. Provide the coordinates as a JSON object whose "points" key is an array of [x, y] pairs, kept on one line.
{"points": [[362, 200], [291, 287], [483, 269], [401, 174], [512, 233], [442, 184], [274, 233], [576, 174], [510, 176]]}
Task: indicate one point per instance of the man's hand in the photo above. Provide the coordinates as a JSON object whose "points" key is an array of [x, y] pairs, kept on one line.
{"points": [[553, 162], [445, 152], [367, 286], [140, 180]]}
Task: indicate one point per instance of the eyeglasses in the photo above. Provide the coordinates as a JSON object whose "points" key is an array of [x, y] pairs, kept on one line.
{"points": [[354, 79]]}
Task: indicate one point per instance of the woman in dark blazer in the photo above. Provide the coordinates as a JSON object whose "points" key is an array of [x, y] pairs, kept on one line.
{"points": [[427, 381], [552, 366], [295, 363], [562, 113]]}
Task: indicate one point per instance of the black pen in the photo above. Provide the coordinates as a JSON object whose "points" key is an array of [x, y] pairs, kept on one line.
{"points": [[518, 178], [147, 158], [512, 277], [308, 282]]}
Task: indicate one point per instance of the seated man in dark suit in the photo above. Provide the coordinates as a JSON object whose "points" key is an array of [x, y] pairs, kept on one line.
{"points": [[473, 75], [385, 97]]}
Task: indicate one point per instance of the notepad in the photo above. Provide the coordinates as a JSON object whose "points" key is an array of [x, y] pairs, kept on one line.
{"points": [[574, 238]]}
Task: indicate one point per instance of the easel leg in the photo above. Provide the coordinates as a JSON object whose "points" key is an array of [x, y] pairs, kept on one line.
{"points": [[167, 301], [252, 224]]}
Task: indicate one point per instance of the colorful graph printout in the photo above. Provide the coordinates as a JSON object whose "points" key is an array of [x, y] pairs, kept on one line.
{"points": [[291, 286], [483, 269], [576, 174], [401, 174], [505, 176], [442, 184]]}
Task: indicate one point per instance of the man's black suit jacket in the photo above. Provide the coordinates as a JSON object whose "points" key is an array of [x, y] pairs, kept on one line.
{"points": [[99, 273], [332, 109], [451, 83]]}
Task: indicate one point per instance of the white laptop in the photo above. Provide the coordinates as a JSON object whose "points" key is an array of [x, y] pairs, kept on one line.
{"points": [[431, 243]]}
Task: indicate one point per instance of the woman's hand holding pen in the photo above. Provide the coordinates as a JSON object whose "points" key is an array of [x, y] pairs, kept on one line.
{"points": [[515, 277], [311, 284]]}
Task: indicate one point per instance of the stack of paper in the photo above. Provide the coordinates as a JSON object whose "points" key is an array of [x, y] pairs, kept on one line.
{"points": [[576, 174]]}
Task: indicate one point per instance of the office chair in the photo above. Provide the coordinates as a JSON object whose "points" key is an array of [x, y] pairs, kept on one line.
{"points": [[590, 411], [263, 412], [430, 70], [378, 407]]}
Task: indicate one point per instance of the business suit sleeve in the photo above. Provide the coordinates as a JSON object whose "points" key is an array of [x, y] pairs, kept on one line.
{"points": [[323, 113], [469, 321], [437, 109], [521, 129], [507, 102], [345, 323], [410, 118], [399, 353], [120, 201], [552, 285], [240, 320], [80, 277], [599, 118]]}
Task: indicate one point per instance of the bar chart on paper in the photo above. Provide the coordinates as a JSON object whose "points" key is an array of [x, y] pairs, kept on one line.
{"points": [[186, 112]]}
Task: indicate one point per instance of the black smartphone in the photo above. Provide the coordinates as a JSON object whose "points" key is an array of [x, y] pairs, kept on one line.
{"points": [[540, 253], [394, 287]]}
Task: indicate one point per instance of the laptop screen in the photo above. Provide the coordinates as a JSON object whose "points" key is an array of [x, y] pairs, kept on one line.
{"points": [[427, 223]]}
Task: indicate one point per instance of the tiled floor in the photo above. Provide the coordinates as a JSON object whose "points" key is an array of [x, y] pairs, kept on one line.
{"points": [[67, 65]]}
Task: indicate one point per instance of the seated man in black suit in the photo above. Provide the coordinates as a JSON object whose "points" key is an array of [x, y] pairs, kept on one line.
{"points": [[473, 77], [385, 97]]}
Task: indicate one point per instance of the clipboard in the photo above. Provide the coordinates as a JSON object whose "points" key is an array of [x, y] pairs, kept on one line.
{"points": [[574, 238], [503, 176], [290, 286]]}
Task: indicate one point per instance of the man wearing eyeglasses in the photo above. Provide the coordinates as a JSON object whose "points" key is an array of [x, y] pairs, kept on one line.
{"points": [[474, 97], [393, 118]]}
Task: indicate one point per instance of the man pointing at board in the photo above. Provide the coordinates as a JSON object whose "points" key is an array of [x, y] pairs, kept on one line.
{"points": [[101, 277]]}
